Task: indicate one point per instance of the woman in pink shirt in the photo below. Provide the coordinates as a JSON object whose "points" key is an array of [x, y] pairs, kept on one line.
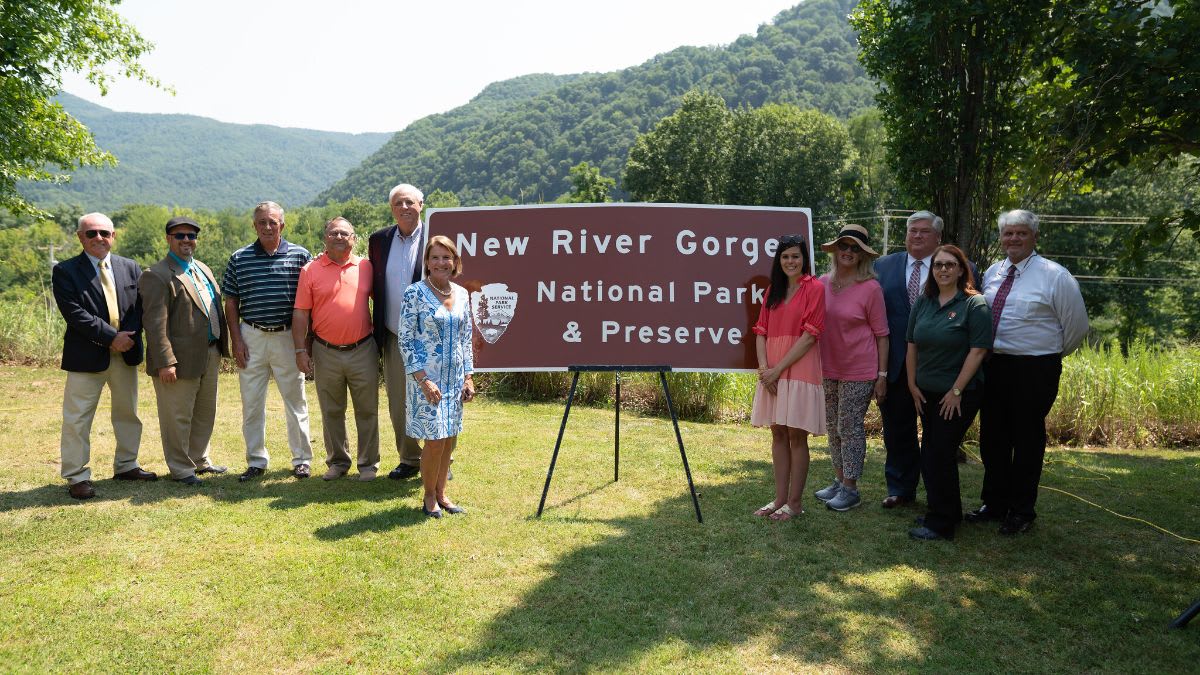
{"points": [[854, 352], [788, 397]]}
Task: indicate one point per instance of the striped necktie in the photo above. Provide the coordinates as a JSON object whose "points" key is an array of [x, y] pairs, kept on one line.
{"points": [[1002, 297], [914, 283]]}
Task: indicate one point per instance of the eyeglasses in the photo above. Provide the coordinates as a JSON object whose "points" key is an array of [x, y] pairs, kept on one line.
{"points": [[792, 240], [843, 246], [337, 234], [103, 234], [944, 264], [181, 236]]}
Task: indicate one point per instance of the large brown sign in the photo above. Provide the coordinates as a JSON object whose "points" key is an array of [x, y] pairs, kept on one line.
{"points": [[617, 284]]}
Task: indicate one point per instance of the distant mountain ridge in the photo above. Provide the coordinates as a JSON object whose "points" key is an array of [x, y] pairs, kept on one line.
{"points": [[522, 148], [202, 163]]}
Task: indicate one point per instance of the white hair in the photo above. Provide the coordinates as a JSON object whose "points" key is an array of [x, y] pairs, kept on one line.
{"points": [[268, 207], [405, 187], [1018, 217], [96, 215], [935, 221]]}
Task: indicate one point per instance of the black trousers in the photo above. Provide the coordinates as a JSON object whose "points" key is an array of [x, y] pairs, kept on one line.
{"points": [[940, 439], [1012, 432], [902, 468]]}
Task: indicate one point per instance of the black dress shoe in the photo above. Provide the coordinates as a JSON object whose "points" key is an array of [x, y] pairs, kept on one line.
{"points": [[1015, 524], [135, 474], [211, 468], [437, 513], [892, 501], [251, 473], [925, 534], [983, 514], [301, 471], [454, 510], [404, 471], [81, 490], [189, 480]]}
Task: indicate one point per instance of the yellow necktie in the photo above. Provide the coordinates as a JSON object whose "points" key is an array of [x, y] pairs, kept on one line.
{"points": [[110, 294]]}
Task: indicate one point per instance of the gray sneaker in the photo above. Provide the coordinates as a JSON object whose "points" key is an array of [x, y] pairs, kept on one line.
{"points": [[846, 499], [830, 492]]}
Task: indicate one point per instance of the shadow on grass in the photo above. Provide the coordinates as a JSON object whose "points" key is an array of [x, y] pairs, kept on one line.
{"points": [[832, 590], [277, 486]]}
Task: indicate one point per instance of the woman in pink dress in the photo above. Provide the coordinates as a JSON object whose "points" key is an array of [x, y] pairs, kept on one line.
{"points": [[789, 397]]}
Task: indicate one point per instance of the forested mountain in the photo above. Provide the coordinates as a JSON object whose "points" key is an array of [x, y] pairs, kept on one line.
{"points": [[201, 163], [523, 149]]}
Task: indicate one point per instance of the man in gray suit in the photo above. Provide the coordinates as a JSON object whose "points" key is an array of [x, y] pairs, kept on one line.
{"points": [[186, 337], [96, 292]]}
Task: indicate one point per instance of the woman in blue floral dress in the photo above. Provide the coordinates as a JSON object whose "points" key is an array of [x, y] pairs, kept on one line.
{"points": [[435, 341]]}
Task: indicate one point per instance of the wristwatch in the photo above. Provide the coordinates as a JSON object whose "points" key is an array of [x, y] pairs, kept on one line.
{"points": [[422, 379], [883, 373], [957, 391]]}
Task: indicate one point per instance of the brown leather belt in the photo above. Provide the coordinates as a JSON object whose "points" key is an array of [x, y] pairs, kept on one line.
{"points": [[269, 329], [341, 348]]}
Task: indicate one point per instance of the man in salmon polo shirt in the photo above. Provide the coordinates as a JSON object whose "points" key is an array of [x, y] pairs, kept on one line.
{"points": [[333, 306]]}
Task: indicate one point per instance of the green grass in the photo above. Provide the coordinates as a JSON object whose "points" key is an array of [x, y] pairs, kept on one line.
{"points": [[347, 576]]}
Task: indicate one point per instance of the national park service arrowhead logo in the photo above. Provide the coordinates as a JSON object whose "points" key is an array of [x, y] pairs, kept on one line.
{"points": [[493, 307]]}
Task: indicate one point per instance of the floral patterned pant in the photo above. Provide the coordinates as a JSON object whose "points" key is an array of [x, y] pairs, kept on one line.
{"points": [[845, 409]]}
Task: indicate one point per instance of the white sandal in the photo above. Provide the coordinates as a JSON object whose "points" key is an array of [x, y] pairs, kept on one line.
{"points": [[766, 510], [787, 513]]}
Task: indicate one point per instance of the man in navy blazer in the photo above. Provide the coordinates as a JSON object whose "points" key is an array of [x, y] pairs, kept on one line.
{"points": [[396, 254], [97, 293], [902, 275]]}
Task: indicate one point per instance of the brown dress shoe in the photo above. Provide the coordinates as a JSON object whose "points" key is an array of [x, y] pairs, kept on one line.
{"points": [[136, 473], [892, 501], [82, 490]]}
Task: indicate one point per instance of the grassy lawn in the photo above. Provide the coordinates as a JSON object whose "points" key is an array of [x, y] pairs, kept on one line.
{"points": [[347, 576]]}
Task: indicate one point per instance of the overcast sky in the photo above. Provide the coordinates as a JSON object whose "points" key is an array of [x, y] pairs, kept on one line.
{"points": [[359, 65]]}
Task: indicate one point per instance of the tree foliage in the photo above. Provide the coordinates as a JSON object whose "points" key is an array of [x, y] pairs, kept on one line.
{"points": [[522, 149], [775, 155], [39, 41], [203, 163], [952, 100], [588, 186], [985, 114]]}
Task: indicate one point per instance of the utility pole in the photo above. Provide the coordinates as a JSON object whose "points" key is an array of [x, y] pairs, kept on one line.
{"points": [[49, 249]]}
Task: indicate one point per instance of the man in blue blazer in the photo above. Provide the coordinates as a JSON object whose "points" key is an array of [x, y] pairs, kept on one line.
{"points": [[902, 275], [97, 293], [396, 254]]}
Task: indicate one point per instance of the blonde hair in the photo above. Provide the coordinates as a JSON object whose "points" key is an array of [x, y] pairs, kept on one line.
{"points": [[444, 242]]}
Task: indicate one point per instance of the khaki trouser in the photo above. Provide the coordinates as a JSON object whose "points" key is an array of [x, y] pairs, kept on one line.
{"points": [[187, 409], [397, 393], [357, 370], [80, 398], [272, 355]]}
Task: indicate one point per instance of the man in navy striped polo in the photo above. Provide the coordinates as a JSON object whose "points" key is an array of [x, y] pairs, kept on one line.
{"points": [[260, 289]]}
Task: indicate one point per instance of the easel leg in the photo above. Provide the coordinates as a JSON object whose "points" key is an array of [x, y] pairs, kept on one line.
{"points": [[679, 437], [558, 443], [617, 434], [1187, 616]]}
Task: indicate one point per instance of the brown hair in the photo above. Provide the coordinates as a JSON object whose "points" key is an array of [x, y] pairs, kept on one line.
{"points": [[966, 280]]}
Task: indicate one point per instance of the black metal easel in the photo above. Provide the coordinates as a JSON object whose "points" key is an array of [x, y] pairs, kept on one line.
{"points": [[1188, 615], [662, 376]]}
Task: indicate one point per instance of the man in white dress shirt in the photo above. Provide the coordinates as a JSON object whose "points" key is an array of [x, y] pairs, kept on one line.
{"points": [[1038, 317]]}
